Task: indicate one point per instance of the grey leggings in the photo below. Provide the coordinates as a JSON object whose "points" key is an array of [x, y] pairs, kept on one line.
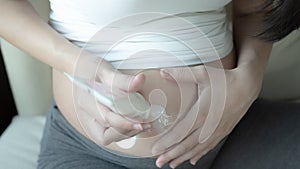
{"points": [[267, 137], [62, 147]]}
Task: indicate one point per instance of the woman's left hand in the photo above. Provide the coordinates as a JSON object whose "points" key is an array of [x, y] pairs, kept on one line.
{"points": [[224, 96]]}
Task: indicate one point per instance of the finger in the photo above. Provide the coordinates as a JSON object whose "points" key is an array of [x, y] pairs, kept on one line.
{"points": [[100, 134], [196, 158], [178, 150], [176, 134], [219, 134], [103, 114], [92, 129], [197, 151], [125, 82], [204, 148], [185, 74], [122, 124], [189, 122], [187, 156], [112, 135], [198, 154], [86, 102], [218, 100]]}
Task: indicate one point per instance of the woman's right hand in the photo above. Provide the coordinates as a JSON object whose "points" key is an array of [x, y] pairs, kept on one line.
{"points": [[100, 123], [20, 22]]}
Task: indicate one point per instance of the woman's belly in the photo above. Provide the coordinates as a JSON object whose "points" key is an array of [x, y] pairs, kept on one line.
{"points": [[176, 98]]}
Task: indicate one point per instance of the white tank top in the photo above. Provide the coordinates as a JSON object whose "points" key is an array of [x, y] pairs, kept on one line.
{"points": [[141, 34]]}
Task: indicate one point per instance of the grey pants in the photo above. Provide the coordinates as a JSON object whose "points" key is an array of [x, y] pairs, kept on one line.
{"points": [[62, 147], [267, 137]]}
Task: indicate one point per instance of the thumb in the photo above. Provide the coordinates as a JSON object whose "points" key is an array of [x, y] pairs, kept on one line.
{"points": [[185, 74], [114, 78], [128, 83]]}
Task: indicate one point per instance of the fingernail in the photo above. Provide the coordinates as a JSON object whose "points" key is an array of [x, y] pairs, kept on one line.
{"points": [[138, 127], [147, 126], [172, 166], [193, 162], [159, 164]]}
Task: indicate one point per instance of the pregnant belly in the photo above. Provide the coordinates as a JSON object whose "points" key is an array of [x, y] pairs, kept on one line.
{"points": [[175, 97]]}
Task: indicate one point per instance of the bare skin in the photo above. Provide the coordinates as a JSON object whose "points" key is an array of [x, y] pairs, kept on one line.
{"points": [[20, 23], [63, 88]]}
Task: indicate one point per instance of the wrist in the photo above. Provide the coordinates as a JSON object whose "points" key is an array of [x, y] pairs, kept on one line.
{"points": [[251, 78], [77, 61], [67, 53]]}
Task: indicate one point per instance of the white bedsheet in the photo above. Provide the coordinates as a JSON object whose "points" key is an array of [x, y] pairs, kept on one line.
{"points": [[20, 143]]}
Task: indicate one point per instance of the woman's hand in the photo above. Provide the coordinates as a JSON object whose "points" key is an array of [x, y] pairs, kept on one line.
{"points": [[242, 88], [100, 123], [211, 124]]}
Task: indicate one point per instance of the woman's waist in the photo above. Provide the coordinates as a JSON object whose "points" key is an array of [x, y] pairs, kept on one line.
{"points": [[156, 90], [176, 98]]}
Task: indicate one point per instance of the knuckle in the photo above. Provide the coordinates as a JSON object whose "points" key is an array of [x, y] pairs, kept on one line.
{"points": [[122, 80], [166, 157], [104, 141], [124, 124], [176, 138], [182, 148], [107, 119], [160, 149], [102, 117]]}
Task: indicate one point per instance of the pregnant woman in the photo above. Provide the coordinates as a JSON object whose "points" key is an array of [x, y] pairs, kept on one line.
{"points": [[70, 18], [85, 135]]}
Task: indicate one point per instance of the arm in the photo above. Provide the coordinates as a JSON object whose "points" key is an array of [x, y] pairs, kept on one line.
{"points": [[23, 27], [252, 52], [243, 87]]}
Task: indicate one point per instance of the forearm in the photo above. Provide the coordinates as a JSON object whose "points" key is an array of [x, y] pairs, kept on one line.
{"points": [[252, 52], [24, 28]]}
